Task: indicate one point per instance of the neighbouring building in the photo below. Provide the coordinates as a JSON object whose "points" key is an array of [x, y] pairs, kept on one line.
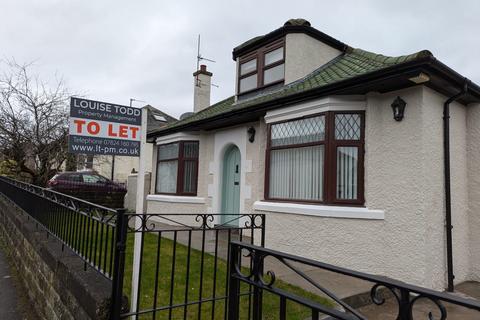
{"points": [[123, 166], [342, 149]]}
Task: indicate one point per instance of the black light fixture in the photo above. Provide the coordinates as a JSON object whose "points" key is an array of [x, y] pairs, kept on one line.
{"points": [[251, 134], [398, 106]]}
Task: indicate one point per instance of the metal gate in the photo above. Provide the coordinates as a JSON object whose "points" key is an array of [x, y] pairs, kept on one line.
{"points": [[183, 265]]}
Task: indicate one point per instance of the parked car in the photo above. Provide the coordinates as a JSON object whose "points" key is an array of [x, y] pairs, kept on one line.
{"points": [[89, 186]]}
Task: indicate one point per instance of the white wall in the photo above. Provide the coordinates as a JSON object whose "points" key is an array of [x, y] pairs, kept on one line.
{"points": [[433, 203], [459, 189], [131, 196], [304, 54], [459, 186], [473, 169]]}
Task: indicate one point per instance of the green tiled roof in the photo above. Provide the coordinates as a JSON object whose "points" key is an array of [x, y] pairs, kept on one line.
{"points": [[354, 63], [213, 110]]}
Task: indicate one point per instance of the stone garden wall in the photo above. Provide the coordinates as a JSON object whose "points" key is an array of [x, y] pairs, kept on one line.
{"points": [[56, 282]]}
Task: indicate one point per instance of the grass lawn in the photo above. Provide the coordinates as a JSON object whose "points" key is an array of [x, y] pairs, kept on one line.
{"points": [[147, 289]]}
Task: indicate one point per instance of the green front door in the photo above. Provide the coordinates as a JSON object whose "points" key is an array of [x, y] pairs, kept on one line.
{"points": [[231, 186]]}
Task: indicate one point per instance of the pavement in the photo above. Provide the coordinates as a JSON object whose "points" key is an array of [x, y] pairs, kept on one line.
{"points": [[13, 302]]}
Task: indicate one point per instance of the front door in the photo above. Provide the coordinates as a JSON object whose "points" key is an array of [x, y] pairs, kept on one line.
{"points": [[231, 186]]}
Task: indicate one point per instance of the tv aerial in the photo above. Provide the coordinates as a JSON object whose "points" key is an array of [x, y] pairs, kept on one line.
{"points": [[199, 59]]}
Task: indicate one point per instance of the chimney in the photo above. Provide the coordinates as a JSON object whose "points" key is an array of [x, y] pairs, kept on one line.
{"points": [[201, 88]]}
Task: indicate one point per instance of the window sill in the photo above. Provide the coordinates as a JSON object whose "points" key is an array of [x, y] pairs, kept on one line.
{"points": [[320, 210], [175, 199], [257, 90]]}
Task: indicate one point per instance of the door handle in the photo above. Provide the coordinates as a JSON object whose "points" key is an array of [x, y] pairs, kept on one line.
{"points": [[236, 183]]}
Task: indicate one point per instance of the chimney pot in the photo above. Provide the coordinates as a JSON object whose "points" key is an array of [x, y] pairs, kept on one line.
{"points": [[203, 67]]}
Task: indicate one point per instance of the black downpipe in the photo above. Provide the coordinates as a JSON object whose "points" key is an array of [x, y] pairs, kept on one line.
{"points": [[448, 195]]}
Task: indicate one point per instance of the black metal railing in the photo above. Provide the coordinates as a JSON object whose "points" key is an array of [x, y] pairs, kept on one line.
{"points": [[200, 266], [184, 263], [183, 257], [89, 230], [406, 297], [102, 192]]}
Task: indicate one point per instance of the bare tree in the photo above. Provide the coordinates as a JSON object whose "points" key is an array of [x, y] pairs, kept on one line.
{"points": [[33, 123]]}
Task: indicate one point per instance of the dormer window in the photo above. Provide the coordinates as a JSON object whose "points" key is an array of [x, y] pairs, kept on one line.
{"points": [[248, 75], [263, 67]]}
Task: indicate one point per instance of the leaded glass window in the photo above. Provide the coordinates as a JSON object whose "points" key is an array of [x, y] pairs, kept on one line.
{"points": [[347, 126], [298, 131], [317, 159]]}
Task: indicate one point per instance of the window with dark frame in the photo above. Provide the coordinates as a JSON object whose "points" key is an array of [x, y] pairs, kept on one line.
{"points": [[177, 168], [261, 68], [317, 159]]}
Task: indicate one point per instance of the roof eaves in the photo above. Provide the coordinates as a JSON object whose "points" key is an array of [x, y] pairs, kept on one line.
{"points": [[454, 76]]}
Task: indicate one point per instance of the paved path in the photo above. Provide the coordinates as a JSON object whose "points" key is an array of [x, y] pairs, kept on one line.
{"points": [[8, 293], [390, 308], [13, 304]]}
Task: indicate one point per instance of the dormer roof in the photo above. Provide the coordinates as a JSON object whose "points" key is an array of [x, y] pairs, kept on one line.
{"points": [[291, 26]]}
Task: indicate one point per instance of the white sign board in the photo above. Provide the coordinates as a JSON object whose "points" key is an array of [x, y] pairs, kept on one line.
{"points": [[97, 127]]}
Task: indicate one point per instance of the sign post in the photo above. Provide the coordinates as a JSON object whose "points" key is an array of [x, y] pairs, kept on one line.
{"points": [[139, 209]]}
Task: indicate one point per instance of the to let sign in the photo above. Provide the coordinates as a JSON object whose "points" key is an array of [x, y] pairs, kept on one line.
{"points": [[97, 127]]}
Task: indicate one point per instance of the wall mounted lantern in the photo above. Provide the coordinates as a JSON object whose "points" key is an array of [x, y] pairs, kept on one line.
{"points": [[398, 106], [251, 134]]}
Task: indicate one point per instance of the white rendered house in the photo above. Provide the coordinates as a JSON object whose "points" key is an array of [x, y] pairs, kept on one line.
{"points": [[344, 152]]}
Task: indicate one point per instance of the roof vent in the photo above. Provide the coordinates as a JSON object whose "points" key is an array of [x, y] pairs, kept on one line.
{"points": [[297, 22], [185, 115]]}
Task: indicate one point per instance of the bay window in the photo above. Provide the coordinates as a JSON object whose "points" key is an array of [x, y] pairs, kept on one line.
{"points": [[316, 159], [263, 67], [177, 168]]}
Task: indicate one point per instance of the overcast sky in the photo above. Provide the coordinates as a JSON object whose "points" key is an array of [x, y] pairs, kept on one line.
{"points": [[116, 50]]}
